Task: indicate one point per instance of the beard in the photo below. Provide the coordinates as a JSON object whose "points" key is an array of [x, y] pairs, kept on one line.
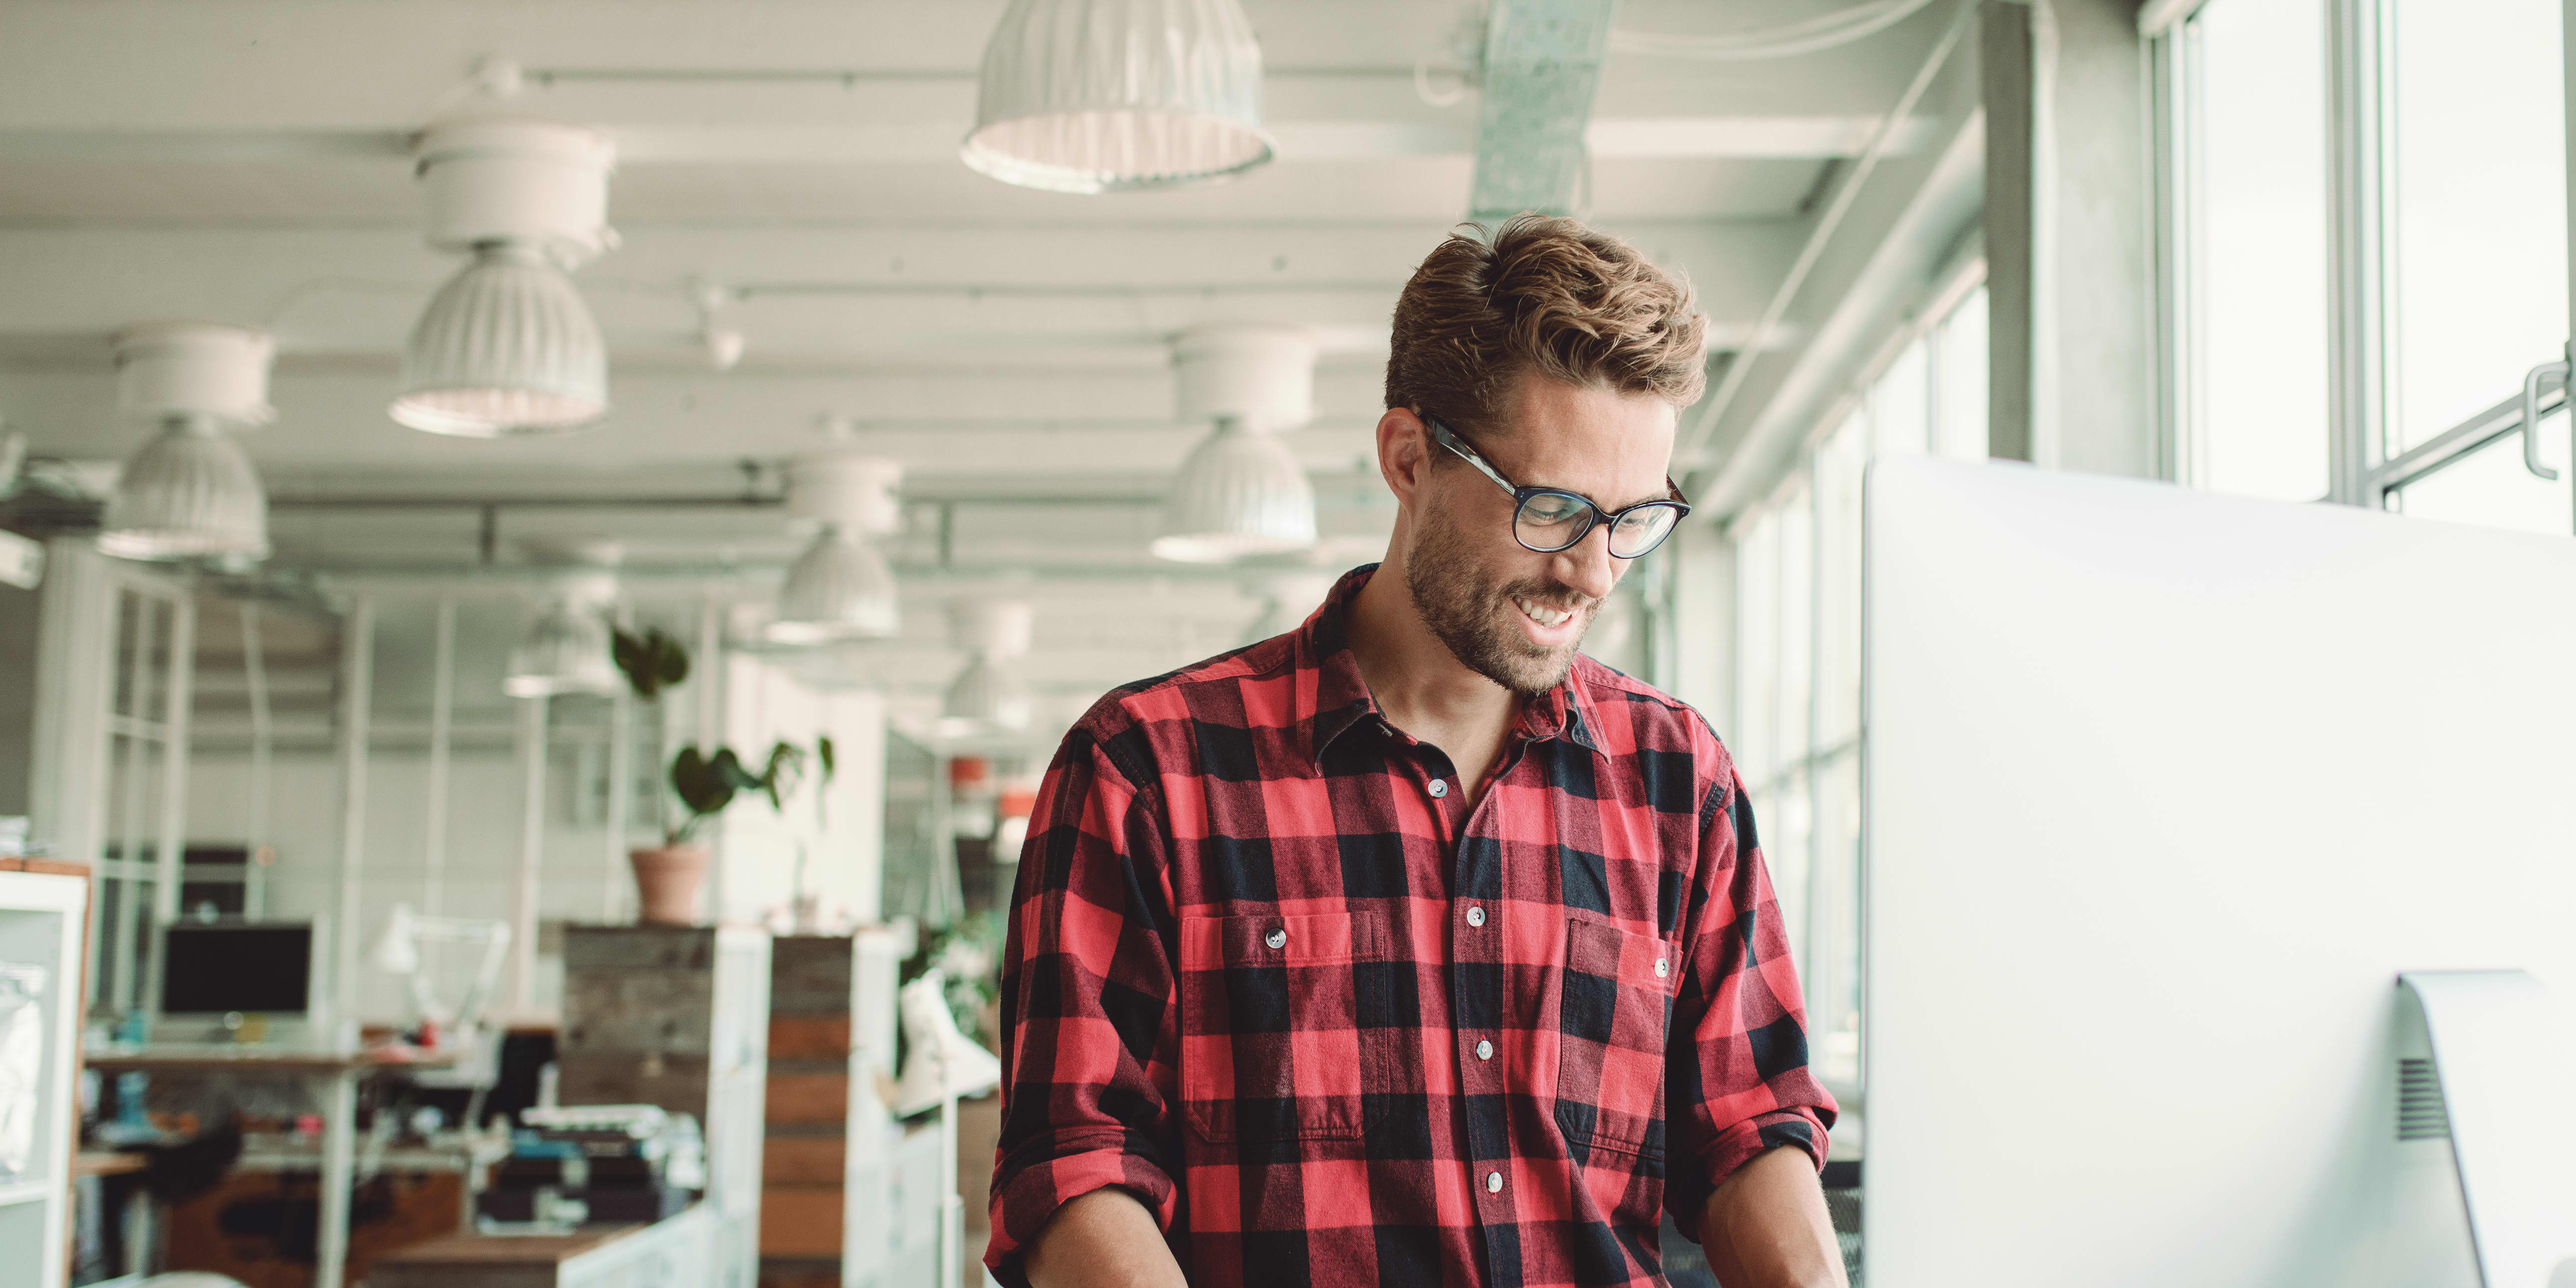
{"points": [[1471, 612]]}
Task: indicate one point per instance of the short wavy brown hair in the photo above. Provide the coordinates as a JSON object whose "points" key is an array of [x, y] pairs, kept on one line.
{"points": [[1544, 295]]}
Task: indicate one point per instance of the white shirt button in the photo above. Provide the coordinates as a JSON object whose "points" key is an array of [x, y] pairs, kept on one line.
{"points": [[1475, 917], [1278, 939], [1493, 1182], [1663, 967], [1439, 788], [1484, 1050]]}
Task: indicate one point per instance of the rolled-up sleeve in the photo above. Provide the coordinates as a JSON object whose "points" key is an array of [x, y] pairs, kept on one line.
{"points": [[1087, 1003], [1736, 1070]]}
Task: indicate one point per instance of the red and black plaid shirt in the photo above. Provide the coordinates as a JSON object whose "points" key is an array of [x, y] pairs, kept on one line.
{"points": [[1272, 973]]}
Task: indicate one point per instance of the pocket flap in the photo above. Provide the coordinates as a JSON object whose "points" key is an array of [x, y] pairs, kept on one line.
{"points": [[1319, 940], [1631, 959]]}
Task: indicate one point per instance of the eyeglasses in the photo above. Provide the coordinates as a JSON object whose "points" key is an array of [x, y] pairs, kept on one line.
{"points": [[1547, 520]]}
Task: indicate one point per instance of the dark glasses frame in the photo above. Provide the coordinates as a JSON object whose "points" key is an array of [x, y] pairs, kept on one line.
{"points": [[1593, 515]]}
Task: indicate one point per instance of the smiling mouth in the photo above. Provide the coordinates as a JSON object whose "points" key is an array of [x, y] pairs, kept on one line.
{"points": [[1541, 613]]}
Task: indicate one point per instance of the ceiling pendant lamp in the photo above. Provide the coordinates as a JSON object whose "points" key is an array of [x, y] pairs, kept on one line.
{"points": [[840, 588], [1241, 492], [989, 696], [508, 347], [565, 647], [190, 492], [1092, 96]]}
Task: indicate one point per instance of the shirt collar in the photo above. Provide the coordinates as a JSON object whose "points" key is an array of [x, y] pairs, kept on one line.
{"points": [[1336, 698]]}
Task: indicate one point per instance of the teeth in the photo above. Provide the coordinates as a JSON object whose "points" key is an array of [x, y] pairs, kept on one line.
{"points": [[1543, 615]]}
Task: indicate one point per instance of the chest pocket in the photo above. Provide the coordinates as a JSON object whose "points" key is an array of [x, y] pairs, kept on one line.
{"points": [[1286, 1025], [1612, 1023]]}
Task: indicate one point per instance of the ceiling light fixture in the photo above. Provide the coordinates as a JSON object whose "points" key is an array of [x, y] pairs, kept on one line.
{"points": [[507, 346], [1092, 96], [190, 492], [1241, 492], [989, 696], [565, 647], [840, 588]]}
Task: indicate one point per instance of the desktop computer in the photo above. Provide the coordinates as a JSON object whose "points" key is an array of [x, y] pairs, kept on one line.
{"points": [[242, 981], [2163, 793]]}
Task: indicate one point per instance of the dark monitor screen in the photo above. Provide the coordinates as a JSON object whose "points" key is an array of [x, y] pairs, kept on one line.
{"points": [[210, 969]]}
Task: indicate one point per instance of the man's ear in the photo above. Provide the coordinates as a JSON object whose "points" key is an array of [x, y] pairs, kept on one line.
{"points": [[1403, 452]]}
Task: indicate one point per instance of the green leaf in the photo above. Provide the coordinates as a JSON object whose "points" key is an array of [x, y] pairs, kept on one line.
{"points": [[651, 662], [823, 752]]}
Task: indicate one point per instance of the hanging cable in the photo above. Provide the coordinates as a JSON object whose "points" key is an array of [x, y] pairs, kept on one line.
{"points": [[1790, 40]]}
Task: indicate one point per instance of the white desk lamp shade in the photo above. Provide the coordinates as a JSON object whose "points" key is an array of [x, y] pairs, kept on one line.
{"points": [[397, 951], [1092, 96], [507, 347], [564, 649], [1240, 493], [188, 492], [839, 589]]}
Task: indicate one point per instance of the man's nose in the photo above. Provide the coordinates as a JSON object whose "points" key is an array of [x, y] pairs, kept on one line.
{"points": [[1586, 567]]}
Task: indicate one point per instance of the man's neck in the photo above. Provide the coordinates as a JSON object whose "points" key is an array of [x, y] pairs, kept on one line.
{"points": [[1420, 686]]}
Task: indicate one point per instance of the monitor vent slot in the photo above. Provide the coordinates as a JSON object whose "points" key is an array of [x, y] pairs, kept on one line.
{"points": [[2419, 1102]]}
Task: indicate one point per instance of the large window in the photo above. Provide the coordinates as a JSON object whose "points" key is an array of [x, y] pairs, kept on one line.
{"points": [[2369, 201], [2257, 144], [1797, 740]]}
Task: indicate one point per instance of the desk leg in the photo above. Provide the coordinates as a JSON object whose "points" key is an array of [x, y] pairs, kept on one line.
{"points": [[339, 1167]]}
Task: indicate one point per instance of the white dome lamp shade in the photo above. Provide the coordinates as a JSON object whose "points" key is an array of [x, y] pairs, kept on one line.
{"points": [[840, 588], [565, 646], [990, 696], [1093, 96], [1241, 492], [508, 347], [190, 492]]}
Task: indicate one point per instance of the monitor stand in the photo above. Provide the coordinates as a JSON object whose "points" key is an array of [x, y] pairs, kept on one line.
{"points": [[2499, 1056]]}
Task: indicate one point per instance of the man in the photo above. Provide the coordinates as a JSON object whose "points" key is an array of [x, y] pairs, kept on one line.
{"points": [[1412, 947]]}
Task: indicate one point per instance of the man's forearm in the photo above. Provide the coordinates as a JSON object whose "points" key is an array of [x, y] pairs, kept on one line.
{"points": [[1104, 1239], [1766, 1227]]}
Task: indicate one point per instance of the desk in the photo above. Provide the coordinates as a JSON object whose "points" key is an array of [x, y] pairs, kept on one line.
{"points": [[674, 1253], [336, 1075]]}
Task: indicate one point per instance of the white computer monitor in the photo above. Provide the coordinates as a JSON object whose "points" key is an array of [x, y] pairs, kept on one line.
{"points": [[212, 976], [2162, 791]]}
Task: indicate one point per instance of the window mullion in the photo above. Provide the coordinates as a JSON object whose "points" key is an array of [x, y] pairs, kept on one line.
{"points": [[2362, 285]]}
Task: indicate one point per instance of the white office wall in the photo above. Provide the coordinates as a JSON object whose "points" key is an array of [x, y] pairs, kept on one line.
{"points": [[841, 830]]}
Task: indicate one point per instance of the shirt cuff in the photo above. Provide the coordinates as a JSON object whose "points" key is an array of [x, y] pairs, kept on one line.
{"points": [[1030, 1189], [1686, 1194]]}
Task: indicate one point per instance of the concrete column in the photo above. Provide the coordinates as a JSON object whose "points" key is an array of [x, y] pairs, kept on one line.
{"points": [[2070, 236]]}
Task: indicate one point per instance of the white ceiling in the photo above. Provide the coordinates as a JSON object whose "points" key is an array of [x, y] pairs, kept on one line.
{"points": [[246, 161]]}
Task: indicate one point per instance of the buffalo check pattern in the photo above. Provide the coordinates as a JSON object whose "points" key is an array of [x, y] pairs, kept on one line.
{"points": [[1271, 972]]}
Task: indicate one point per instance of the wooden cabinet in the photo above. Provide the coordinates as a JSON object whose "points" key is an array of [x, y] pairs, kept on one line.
{"points": [[678, 1016]]}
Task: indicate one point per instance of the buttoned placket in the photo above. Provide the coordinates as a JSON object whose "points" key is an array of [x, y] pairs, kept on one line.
{"points": [[1476, 1000], [1477, 1004]]}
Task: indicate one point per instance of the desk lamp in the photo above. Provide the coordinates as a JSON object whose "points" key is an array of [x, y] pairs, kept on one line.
{"points": [[397, 952]]}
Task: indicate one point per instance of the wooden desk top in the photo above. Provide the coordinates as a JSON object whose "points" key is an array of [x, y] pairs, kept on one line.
{"points": [[507, 1250], [251, 1057], [101, 1162]]}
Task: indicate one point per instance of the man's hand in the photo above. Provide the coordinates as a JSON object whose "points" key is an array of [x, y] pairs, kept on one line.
{"points": [[1104, 1239], [1766, 1227]]}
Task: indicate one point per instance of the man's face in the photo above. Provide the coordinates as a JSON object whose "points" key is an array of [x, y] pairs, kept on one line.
{"points": [[1510, 613]]}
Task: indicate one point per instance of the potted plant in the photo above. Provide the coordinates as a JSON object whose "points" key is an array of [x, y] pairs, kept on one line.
{"points": [[667, 876]]}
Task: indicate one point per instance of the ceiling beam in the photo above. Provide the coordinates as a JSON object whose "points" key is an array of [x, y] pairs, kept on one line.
{"points": [[1542, 66]]}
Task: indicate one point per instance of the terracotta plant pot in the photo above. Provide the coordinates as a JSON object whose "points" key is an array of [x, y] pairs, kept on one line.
{"points": [[667, 878]]}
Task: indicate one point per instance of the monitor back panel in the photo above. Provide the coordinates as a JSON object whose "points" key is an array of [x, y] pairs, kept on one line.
{"points": [[2162, 790]]}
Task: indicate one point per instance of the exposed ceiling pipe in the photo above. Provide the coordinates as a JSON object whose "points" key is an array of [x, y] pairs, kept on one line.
{"points": [[1542, 68]]}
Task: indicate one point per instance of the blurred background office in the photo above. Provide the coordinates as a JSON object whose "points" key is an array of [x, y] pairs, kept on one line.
{"points": [[544, 547]]}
